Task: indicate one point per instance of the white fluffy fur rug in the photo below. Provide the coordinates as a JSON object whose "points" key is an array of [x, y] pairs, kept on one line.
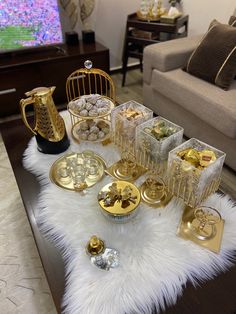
{"points": [[155, 264]]}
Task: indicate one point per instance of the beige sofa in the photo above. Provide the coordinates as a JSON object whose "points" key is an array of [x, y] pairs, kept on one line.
{"points": [[204, 110]]}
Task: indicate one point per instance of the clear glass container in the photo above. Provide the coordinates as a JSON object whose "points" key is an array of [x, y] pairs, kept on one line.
{"points": [[124, 119], [152, 152], [194, 184]]}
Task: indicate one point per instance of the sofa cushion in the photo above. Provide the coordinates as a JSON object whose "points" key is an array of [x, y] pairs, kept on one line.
{"points": [[232, 21], [214, 59], [168, 55], [208, 102]]}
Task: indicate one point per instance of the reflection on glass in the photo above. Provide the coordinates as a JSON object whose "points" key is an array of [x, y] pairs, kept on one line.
{"points": [[92, 167], [78, 175], [127, 163], [64, 175]]}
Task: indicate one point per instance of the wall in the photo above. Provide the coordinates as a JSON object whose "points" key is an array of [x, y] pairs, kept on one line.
{"points": [[111, 16], [202, 12], [109, 20]]}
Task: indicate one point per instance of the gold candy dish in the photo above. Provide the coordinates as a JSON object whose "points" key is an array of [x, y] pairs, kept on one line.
{"points": [[119, 200], [126, 168], [94, 131], [154, 192], [203, 225], [77, 171]]}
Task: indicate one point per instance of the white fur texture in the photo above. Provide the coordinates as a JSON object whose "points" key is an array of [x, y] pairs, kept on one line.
{"points": [[155, 264]]}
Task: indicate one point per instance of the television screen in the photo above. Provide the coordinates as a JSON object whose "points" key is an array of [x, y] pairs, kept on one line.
{"points": [[29, 23]]}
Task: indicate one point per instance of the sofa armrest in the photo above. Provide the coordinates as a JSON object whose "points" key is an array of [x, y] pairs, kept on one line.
{"points": [[168, 55]]}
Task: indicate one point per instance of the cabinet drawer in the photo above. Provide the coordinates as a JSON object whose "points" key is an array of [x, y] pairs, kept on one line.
{"points": [[13, 85]]}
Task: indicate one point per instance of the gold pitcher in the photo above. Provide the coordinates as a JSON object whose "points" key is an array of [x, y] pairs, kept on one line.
{"points": [[49, 129]]}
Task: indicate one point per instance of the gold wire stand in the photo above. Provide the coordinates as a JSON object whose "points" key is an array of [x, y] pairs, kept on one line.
{"points": [[86, 81], [89, 81]]}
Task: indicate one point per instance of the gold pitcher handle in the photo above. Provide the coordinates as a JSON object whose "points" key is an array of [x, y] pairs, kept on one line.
{"points": [[23, 104]]}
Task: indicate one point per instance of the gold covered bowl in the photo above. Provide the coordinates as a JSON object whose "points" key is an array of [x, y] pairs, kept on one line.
{"points": [[119, 201]]}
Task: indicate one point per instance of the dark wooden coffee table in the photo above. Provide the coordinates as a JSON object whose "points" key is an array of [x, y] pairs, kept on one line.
{"points": [[216, 296]]}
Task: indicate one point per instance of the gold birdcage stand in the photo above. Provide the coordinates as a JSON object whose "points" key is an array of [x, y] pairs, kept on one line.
{"points": [[87, 81]]}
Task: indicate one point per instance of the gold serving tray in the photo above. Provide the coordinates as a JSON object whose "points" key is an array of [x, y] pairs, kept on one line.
{"points": [[186, 227], [89, 181], [114, 171], [162, 198]]}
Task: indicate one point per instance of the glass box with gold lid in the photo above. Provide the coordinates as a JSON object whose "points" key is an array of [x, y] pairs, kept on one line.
{"points": [[194, 171], [153, 141], [124, 120]]}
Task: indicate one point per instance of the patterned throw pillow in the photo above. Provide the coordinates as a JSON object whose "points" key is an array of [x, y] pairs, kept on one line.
{"points": [[214, 59], [232, 21]]}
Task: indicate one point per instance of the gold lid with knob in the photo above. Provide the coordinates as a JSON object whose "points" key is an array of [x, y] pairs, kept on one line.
{"points": [[95, 246]]}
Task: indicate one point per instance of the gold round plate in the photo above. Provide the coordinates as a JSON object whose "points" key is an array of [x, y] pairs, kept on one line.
{"points": [[162, 198], [76, 127], [74, 113], [116, 209], [60, 163]]}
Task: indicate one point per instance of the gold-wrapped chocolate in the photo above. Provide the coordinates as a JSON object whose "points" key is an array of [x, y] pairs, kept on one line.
{"points": [[206, 157], [192, 157], [186, 166], [183, 152], [160, 130], [130, 113], [199, 159]]}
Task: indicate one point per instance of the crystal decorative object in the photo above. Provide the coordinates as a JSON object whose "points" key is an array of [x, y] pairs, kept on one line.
{"points": [[108, 259], [88, 64], [190, 182], [152, 148], [124, 119]]}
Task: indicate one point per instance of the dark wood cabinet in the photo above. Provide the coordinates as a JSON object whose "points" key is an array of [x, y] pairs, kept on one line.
{"points": [[23, 71], [140, 33]]}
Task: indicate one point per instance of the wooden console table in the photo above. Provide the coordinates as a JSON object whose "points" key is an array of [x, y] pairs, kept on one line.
{"points": [[216, 296], [134, 42], [22, 71]]}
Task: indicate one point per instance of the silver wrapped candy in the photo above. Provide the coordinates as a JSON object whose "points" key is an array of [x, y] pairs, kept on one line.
{"points": [[84, 113], [92, 137]]}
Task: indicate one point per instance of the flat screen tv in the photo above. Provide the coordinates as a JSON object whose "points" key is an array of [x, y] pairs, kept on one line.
{"points": [[29, 23]]}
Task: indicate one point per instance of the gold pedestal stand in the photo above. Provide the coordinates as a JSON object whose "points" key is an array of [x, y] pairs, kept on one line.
{"points": [[126, 169], [203, 225], [154, 192]]}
